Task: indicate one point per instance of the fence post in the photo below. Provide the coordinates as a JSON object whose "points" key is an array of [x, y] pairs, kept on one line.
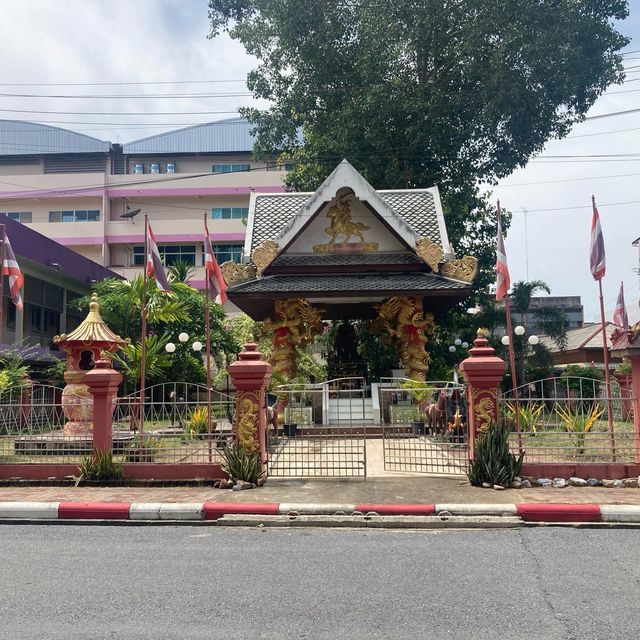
{"points": [[103, 384], [483, 371], [250, 375], [624, 380]]}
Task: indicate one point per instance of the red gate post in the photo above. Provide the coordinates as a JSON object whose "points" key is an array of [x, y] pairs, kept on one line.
{"points": [[103, 384], [483, 372], [624, 380], [250, 375]]}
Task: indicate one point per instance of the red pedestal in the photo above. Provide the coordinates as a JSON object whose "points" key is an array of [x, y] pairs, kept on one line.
{"points": [[624, 380], [103, 384], [483, 371], [250, 375]]}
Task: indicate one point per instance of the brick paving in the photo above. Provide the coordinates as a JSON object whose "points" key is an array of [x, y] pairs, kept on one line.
{"points": [[413, 489]]}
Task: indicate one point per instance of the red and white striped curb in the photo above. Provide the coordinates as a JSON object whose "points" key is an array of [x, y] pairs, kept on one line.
{"points": [[197, 511]]}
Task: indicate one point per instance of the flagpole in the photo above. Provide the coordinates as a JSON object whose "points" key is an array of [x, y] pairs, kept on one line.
{"points": [[607, 378], [207, 345], [143, 344], [512, 353], [3, 235]]}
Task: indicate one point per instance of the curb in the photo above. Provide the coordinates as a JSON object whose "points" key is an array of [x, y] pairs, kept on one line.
{"points": [[213, 511]]}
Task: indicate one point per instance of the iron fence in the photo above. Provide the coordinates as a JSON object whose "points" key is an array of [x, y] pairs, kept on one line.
{"points": [[322, 429], [424, 427], [571, 419]]}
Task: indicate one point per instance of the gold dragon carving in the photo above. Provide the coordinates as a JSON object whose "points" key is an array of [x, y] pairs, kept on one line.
{"points": [[404, 323], [264, 255], [234, 273], [430, 252], [464, 269], [248, 422], [295, 322], [484, 408]]}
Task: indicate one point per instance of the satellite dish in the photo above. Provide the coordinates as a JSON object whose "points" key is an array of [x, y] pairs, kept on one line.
{"points": [[129, 214]]}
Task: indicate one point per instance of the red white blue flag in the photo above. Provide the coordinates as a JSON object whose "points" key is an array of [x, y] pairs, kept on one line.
{"points": [[504, 281], [597, 261], [212, 270], [620, 314], [11, 269], [155, 269]]}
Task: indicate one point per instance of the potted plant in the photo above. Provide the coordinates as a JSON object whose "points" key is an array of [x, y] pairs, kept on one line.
{"points": [[420, 393]]}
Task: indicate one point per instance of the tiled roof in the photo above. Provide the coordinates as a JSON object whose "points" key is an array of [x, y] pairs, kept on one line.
{"points": [[329, 259], [310, 284], [273, 211], [587, 337]]}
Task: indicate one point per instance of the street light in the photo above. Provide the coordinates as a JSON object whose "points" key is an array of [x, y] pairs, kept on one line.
{"points": [[170, 347]]}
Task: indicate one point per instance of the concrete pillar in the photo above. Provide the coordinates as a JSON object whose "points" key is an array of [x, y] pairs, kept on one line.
{"points": [[483, 371], [635, 402], [103, 383], [250, 375], [624, 380]]}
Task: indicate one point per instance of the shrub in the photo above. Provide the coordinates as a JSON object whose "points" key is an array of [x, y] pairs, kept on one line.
{"points": [[239, 464], [493, 462], [198, 422], [103, 467]]}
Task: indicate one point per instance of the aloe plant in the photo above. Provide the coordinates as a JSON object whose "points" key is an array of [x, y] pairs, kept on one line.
{"points": [[526, 413], [198, 422], [239, 464], [579, 423], [493, 462], [101, 467]]}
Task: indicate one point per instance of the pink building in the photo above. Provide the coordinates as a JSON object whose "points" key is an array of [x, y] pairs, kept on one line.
{"points": [[74, 189]]}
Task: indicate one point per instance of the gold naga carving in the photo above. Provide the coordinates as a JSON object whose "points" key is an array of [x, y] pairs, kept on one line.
{"points": [[431, 252], [404, 323], [464, 269], [341, 224], [248, 421], [296, 322], [233, 273], [264, 255], [484, 408]]}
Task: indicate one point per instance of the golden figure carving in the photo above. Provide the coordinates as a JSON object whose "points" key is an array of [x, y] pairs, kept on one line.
{"points": [[484, 408], [233, 273], [264, 255], [405, 323], [248, 422], [296, 322], [342, 224], [465, 269], [430, 252]]}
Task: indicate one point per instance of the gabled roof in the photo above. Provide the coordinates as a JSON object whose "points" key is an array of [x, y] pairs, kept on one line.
{"points": [[20, 138], [231, 135], [413, 213], [584, 338]]}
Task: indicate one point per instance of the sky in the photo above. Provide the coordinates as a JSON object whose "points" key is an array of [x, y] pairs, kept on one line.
{"points": [[48, 45]]}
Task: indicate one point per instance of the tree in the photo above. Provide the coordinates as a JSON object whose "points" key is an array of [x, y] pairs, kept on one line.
{"points": [[414, 94]]}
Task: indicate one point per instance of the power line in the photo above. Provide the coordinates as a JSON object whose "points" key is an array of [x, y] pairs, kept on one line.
{"points": [[525, 184], [139, 96]]}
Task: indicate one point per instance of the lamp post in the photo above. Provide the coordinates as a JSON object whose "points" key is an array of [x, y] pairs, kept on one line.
{"points": [[523, 346], [170, 347]]}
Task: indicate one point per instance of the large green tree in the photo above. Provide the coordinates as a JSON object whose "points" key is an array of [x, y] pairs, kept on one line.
{"points": [[416, 93]]}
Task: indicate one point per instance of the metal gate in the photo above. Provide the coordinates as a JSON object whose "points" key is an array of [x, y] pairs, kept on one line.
{"points": [[324, 433], [424, 427]]}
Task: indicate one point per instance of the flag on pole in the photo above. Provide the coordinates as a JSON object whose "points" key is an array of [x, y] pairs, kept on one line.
{"points": [[10, 268], [212, 270], [597, 260], [155, 269], [504, 281], [620, 314]]}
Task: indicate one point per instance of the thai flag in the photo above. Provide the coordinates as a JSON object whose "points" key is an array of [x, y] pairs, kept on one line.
{"points": [[504, 281], [620, 314], [10, 268], [212, 270], [155, 269], [597, 260]]}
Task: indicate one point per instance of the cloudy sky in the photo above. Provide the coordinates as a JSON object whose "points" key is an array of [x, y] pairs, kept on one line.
{"points": [[53, 48]]}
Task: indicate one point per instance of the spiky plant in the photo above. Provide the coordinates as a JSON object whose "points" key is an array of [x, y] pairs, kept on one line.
{"points": [[239, 464], [493, 462]]}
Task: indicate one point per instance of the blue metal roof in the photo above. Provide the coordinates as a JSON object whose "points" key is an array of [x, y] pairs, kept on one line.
{"points": [[20, 138], [230, 135]]}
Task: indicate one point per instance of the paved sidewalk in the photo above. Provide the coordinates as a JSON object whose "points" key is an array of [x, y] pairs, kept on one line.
{"points": [[394, 490]]}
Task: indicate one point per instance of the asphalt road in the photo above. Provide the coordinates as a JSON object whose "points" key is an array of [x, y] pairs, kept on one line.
{"points": [[205, 582]]}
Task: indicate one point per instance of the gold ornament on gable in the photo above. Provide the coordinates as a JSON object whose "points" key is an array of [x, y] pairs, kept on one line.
{"points": [[464, 269], [430, 251], [264, 255], [233, 273]]}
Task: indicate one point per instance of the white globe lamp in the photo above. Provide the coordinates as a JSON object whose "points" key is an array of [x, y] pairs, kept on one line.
{"points": [[183, 337], [519, 330], [465, 345], [505, 340], [533, 340], [169, 347], [457, 342], [452, 349], [197, 346]]}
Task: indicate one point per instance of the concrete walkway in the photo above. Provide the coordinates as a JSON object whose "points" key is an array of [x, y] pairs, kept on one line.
{"points": [[389, 490]]}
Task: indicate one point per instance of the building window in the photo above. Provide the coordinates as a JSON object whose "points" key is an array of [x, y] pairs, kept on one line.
{"points": [[20, 216], [230, 168], [169, 253], [81, 215], [279, 166], [226, 252], [230, 213]]}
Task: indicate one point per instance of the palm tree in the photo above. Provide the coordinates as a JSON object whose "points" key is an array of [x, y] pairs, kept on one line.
{"points": [[521, 295], [181, 271]]}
